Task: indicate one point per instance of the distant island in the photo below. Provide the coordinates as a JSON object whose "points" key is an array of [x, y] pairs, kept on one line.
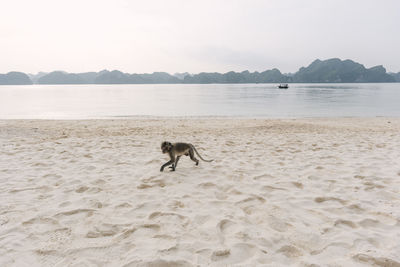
{"points": [[320, 71], [15, 78]]}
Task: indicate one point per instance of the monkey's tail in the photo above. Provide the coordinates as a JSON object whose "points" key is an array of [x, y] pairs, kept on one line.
{"points": [[195, 150]]}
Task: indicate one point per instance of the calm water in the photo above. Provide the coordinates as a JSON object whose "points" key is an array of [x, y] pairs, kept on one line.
{"points": [[250, 100]]}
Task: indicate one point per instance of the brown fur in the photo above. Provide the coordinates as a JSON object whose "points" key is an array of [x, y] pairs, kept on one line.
{"points": [[176, 150]]}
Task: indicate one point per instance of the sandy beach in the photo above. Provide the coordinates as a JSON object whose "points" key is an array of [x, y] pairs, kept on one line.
{"points": [[280, 192]]}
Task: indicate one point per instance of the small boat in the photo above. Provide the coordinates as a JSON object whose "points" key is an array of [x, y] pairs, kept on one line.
{"points": [[283, 86]]}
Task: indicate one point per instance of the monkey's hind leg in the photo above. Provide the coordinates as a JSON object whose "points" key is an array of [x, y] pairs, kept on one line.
{"points": [[192, 157]]}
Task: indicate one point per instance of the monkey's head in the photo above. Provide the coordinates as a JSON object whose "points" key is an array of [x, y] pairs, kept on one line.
{"points": [[166, 146]]}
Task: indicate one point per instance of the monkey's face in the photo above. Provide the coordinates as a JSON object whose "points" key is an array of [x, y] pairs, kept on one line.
{"points": [[166, 146]]}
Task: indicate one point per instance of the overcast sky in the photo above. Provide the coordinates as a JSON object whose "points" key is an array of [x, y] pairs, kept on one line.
{"points": [[144, 36]]}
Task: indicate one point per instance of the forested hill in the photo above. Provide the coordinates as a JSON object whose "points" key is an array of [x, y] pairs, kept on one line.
{"points": [[337, 71], [320, 71], [15, 78]]}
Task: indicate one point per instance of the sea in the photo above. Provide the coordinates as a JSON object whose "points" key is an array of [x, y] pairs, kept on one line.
{"points": [[220, 100]]}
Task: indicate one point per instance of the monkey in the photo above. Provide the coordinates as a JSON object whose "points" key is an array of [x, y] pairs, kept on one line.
{"points": [[176, 150]]}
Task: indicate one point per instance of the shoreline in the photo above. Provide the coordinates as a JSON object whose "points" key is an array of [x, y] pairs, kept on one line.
{"points": [[205, 117]]}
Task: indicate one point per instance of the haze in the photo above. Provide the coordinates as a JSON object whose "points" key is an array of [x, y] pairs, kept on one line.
{"points": [[195, 36]]}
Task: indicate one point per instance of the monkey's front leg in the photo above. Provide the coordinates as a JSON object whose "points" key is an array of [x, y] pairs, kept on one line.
{"points": [[173, 167], [166, 164]]}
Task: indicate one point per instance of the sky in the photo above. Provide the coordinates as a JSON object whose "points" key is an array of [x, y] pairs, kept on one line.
{"points": [[195, 36]]}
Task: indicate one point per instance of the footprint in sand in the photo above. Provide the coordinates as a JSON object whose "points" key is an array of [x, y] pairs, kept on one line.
{"points": [[263, 176], [220, 254], [144, 230], [346, 223], [64, 204], [169, 217], [98, 182], [376, 261], [225, 227], [254, 199], [324, 199], [154, 183], [370, 186], [207, 185], [176, 204], [104, 230], [72, 216], [96, 234], [298, 185], [81, 189], [290, 251], [248, 205], [278, 224], [123, 205], [238, 253]]}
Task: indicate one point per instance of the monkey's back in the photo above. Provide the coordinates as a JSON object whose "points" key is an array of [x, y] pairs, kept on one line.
{"points": [[181, 147]]}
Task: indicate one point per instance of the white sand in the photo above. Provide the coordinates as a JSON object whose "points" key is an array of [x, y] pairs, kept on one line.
{"points": [[280, 192]]}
